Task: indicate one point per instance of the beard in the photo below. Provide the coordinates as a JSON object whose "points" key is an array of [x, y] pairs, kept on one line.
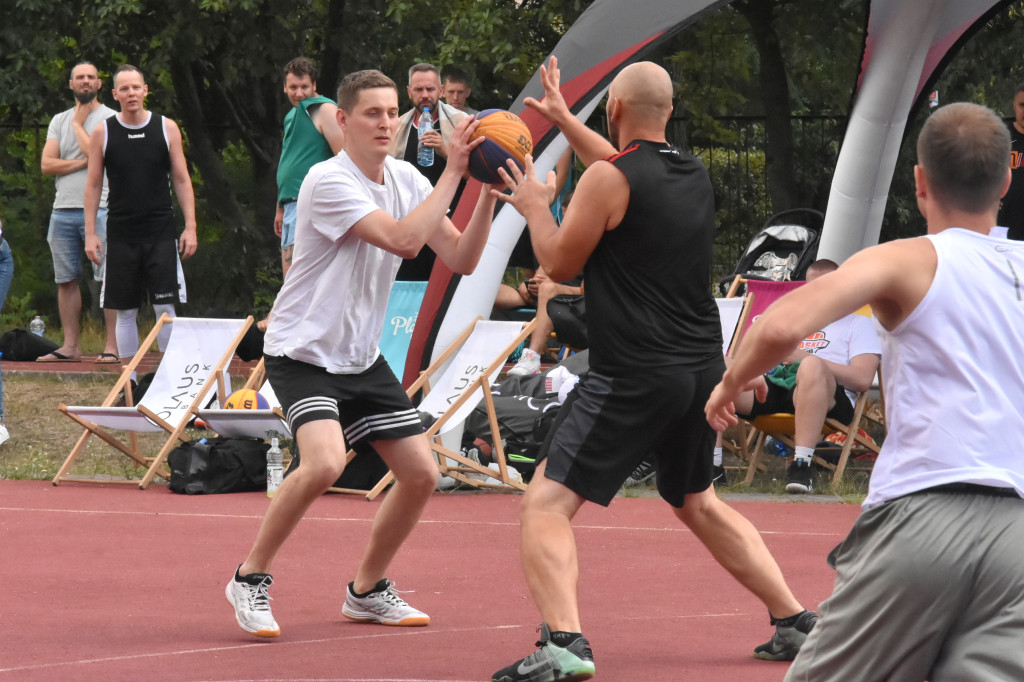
{"points": [[85, 97]]}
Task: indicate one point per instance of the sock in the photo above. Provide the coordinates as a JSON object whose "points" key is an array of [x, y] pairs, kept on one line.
{"points": [[718, 456], [564, 639], [787, 622], [803, 454], [381, 585]]}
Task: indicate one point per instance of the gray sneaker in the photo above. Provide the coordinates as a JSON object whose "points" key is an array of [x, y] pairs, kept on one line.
{"points": [[789, 636], [248, 594], [383, 606], [551, 662]]}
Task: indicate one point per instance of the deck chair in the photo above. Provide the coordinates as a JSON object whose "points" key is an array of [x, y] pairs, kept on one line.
{"points": [[782, 426], [260, 423], [195, 361], [465, 372]]}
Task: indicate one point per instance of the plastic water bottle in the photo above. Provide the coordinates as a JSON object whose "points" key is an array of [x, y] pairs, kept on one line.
{"points": [[425, 154], [37, 326], [275, 468]]}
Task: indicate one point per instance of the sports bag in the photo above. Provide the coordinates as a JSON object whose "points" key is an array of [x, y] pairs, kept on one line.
{"points": [[219, 465], [568, 315], [19, 345]]}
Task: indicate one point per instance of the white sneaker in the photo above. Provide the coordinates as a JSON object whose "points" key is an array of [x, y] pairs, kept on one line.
{"points": [[383, 606], [529, 363], [252, 604], [4, 434]]}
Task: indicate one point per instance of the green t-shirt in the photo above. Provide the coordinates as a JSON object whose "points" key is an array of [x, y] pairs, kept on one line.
{"points": [[302, 147]]}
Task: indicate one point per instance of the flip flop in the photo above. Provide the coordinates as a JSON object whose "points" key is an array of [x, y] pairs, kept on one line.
{"points": [[56, 356], [107, 359]]}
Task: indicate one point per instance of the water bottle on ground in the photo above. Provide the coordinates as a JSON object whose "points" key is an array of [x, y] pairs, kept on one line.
{"points": [[275, 467], [37, 326], [424, 154]]}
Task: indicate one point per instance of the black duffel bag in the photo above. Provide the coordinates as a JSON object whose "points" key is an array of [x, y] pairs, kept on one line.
{"points": [[18, 345], [219, 465]]}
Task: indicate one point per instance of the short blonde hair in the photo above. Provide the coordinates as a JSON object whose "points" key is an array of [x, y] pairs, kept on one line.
{"points": [[964, 150]]}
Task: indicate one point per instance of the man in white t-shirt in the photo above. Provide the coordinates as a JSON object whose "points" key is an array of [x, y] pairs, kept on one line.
{"points": [[834, 365], [359, 214], [929, 581]]}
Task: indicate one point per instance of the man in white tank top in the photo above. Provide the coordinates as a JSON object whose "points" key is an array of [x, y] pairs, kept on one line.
{"points": [[929, 581]]}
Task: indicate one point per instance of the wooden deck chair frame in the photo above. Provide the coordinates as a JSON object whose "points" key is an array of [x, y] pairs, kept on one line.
{"points": [[255, 423], [176, 432], [463, 466]]}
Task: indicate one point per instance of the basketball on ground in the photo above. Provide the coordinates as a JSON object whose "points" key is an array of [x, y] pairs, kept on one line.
{"points": [[506, 137], [246, 399]]}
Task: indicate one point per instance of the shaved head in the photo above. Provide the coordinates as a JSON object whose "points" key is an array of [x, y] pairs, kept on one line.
{"points": [[645, 90]]}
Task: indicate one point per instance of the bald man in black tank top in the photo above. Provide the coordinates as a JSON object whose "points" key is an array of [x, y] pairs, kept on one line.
{"points": [[640, 228], [141, 153]]}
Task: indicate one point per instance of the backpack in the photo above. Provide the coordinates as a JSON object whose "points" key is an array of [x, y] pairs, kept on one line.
{"points": [[568, 313], [219, 465], [19, 345]]}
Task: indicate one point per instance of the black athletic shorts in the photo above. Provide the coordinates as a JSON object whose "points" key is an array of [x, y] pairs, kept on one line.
{"points": [[134, 269], [371, 405], [608, 425], [780, 399]]}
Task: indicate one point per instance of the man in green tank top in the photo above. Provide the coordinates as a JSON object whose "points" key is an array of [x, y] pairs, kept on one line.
{"points": [[311, 135]]}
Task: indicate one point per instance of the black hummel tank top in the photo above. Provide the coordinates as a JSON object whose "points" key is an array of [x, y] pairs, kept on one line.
{"points": [[138, 163]]}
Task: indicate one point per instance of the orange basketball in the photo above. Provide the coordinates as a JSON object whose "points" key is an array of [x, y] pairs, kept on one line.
{"points": [[507, 137], [246, 399]]}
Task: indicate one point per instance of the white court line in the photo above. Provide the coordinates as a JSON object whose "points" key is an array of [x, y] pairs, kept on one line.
{"points": [[446, 522], [237, 647]]}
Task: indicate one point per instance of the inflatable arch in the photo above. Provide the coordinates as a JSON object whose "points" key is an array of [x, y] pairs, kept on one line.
{"points": [[906, 42]]}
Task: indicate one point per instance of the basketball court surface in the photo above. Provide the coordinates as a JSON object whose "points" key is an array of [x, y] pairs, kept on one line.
{"points": [[116, 583]]}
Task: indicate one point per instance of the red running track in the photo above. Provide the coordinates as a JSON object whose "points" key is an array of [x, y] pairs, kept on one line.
{"points": [[114, 583]]}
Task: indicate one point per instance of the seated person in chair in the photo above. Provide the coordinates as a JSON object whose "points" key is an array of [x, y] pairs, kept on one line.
{"points": [[834, 366], [542, 289]]}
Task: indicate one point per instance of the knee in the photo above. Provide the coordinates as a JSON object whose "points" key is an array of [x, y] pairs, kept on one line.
{"points": [[813, 369], [420, 479], [697, 509], [321, 472]]}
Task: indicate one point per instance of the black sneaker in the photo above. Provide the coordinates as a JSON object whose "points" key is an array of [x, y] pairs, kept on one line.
{"points": [[551, 662], [718, 477], [643, 473], [789, 636], [799, 479]]}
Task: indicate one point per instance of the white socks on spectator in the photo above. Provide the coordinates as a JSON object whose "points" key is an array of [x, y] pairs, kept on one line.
{"points": [[804, 454], [718, 456]]}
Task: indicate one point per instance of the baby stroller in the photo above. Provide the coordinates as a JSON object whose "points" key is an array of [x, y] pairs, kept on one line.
{"points": [[782, 249]]}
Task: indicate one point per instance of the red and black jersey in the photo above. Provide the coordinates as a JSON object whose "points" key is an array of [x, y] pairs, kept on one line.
{"points": [[648, 282]]}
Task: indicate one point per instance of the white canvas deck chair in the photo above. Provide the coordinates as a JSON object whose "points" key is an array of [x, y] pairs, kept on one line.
{"points": [[261, 423], [467, 368], [195, 361]]}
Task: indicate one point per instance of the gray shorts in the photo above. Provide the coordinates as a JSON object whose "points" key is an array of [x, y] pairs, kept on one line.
{"points": [[928, 587], [66, 237]]}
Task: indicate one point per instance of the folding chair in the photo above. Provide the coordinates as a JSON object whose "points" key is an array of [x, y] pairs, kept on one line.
{"points": [[782, 426], [197, 355], [466, 370], [258, 423]]}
